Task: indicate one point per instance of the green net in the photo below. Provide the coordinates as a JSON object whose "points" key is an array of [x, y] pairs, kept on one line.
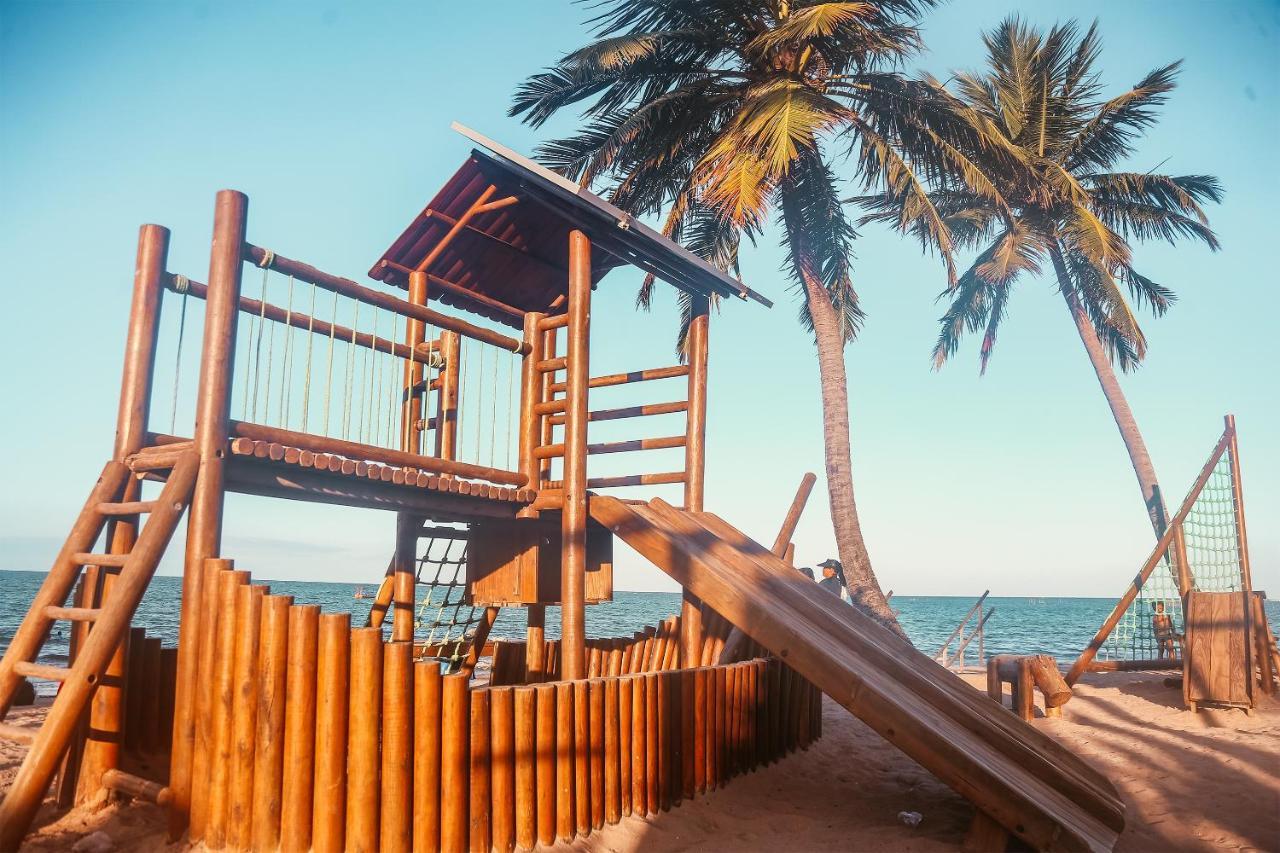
{"points": [[1152, 627]]}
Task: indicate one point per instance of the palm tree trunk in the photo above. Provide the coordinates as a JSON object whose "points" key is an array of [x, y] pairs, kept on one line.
{"points": [[1152, 498], [864, 588]]}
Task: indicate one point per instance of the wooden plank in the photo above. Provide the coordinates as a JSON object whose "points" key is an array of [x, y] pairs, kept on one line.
{"points": [[907, 699]]}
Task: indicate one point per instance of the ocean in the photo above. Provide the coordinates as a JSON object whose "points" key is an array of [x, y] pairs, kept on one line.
{"points": [[1056, 626]]}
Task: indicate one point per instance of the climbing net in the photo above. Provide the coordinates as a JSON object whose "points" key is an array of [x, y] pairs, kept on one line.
{"points": [[1152, 626], [1213, 542], [444, 615]]}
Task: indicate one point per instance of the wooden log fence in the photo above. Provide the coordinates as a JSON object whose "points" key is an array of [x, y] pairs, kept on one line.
{"points": [[332, 738]]}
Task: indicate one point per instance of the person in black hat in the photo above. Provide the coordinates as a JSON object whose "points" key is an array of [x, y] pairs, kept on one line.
{"points": [[832, 576]]}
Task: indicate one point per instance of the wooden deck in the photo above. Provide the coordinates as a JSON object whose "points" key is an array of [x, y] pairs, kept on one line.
{"points": [[276, 470]]}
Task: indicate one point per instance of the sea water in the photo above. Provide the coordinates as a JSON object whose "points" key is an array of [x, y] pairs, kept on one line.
{"points": [[1055, 626]]}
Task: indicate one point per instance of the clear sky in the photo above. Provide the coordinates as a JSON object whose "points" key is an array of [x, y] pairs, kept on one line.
{"points": [[333, 118]]}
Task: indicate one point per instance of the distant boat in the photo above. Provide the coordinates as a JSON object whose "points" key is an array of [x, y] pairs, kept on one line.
{"points": [[360, 593]]}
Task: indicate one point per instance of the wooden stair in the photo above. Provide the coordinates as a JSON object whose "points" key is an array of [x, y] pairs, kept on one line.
{"points": [[107, 626]]}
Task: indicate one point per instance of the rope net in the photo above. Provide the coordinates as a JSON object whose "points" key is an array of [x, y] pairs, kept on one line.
{"points": [[1152, 627], [445, 621]]}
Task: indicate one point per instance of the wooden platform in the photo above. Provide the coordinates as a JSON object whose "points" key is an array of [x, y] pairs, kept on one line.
{"points": [[1016, 775], [276, 470]]}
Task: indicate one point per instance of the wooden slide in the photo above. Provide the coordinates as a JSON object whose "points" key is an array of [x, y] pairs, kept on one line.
{"points": [[1018, 777]]}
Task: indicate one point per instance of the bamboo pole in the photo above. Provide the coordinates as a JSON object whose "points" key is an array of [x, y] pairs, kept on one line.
{"points": [[526, 749], [455, 755], [546, 759], [204, 519], [215, 834], [268, 768], [363, 757], [427, 700], [502, 774], [479, 815], [300, 729], [395, 832], [329, 804]]}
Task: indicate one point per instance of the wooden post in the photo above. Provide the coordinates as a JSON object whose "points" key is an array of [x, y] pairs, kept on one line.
{"points": [[535, 664], [596, 726], [502, 773], [581, 757], [329, 804], [695, 463], [1242, 544], [220, 758], [364, 760], [525, 750], [612, 746], [205, 698], [447, 405], [479, 832], [573, 529], [268, 768], [395, 832], [1180, 558], [639, 751], [545, 763], [101, 751], [455, 760], [652, 744], [624, 744], [244, 714], [404, 571], [300, 729], [565, 826], [427, 701], [204, 519]]}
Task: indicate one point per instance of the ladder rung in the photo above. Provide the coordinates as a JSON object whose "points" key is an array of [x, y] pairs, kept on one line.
{"points": [[105, 561], [41, 671], [126, 508], [73, 614], [17, 734]]}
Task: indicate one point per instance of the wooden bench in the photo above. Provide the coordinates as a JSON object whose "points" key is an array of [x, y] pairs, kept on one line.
{"points": [[1024, 673]]}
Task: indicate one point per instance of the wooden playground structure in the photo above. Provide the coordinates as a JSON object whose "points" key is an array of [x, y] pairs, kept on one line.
{"points": [[275, 726]]}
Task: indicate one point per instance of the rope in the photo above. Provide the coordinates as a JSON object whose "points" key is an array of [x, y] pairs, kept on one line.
{"points": [[181, 283], [306, 387], [268, 258], [328, 383], [286, 362], [348, 381]]}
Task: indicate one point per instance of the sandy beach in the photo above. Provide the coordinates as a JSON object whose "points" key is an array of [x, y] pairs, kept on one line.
{"points": [[1203, 781]]}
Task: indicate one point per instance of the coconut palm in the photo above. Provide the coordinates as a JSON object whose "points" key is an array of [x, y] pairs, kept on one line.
{"points": [[715, 113], [1064, 199]]}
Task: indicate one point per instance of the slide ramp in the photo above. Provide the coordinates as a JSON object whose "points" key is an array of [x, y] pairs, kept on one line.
{"points": [[1018, 776]]}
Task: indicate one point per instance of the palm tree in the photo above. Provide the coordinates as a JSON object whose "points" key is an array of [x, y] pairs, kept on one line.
{"points": [[713, 113], [1061, 198]]}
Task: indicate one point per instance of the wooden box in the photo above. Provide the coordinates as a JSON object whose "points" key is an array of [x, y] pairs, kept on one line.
{"points": [[517, 561], [1217, 665]]}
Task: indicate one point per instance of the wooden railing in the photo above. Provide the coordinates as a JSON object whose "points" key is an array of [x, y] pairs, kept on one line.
{"points": [[324, 736], [328, 365]]}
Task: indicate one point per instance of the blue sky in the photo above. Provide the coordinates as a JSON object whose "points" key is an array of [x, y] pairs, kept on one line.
{"points": [[333, 118]]}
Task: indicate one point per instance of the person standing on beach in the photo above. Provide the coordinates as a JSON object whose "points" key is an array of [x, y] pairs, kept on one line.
{"points": [[832, 577], [1162, 626]]}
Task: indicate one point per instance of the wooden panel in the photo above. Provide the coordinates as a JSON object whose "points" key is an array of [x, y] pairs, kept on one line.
{"points": [[1216, 665], [517, 562]]}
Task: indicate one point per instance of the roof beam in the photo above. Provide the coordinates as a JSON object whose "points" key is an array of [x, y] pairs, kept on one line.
{"points": [[498, 241]]}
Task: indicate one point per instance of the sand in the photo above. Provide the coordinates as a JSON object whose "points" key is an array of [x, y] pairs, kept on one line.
{"points": [[1208, 781]]}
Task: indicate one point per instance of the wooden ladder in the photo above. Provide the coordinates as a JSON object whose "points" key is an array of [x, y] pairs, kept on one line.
{"points": [[108, 625]]}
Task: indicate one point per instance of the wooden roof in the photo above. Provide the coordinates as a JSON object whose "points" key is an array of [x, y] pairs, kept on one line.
{"points": [[514, 259]]}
